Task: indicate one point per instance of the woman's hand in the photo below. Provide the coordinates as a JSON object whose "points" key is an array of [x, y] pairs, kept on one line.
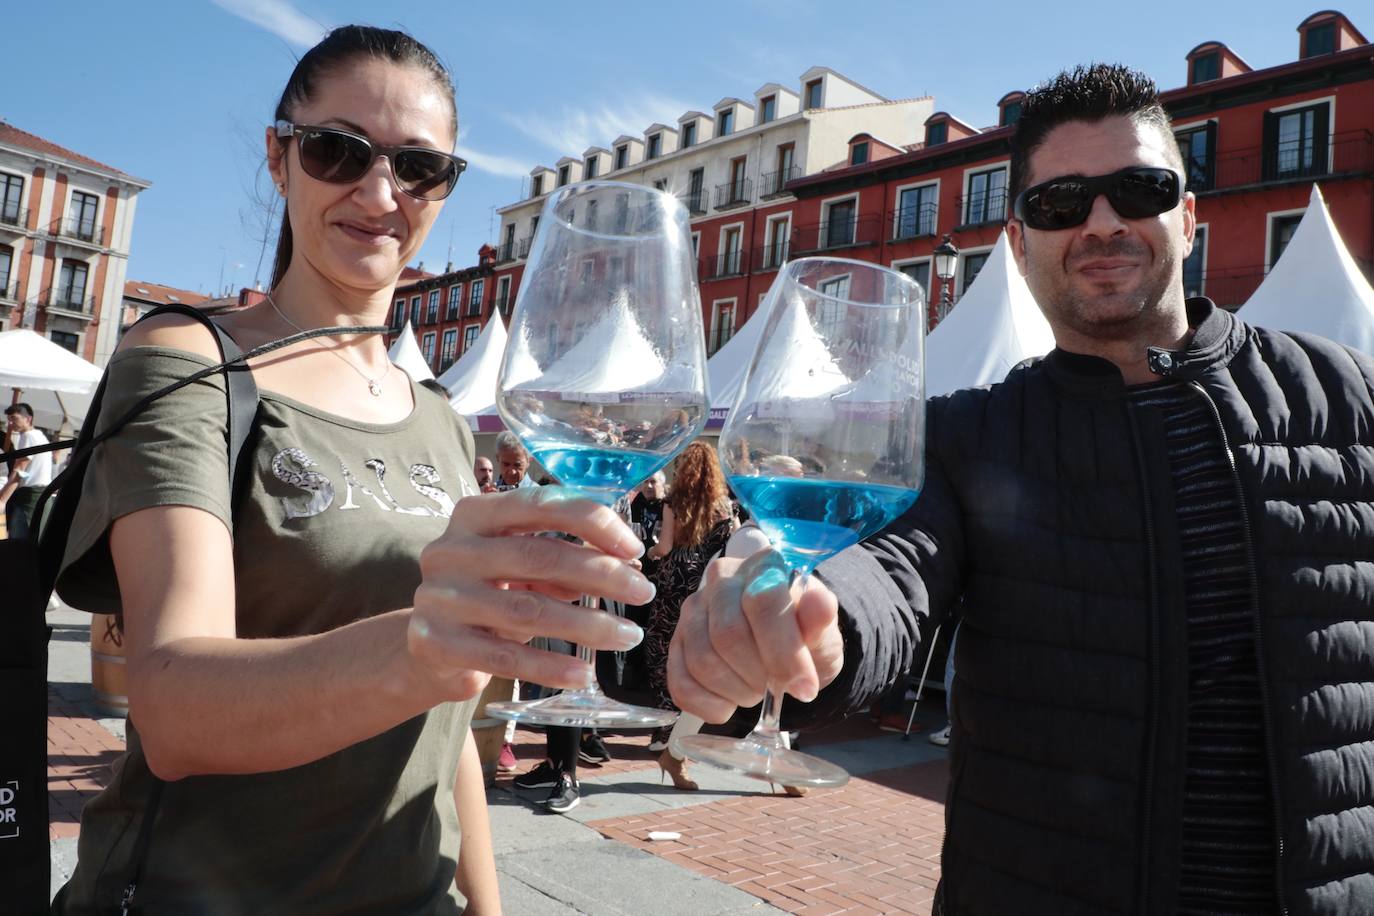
{"points": [[489, 586], [745, 629]]}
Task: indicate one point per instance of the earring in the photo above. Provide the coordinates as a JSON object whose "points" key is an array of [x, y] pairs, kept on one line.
{"points": [[281, 188]]}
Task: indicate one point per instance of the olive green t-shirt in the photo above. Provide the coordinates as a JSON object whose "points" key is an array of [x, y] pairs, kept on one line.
{"points": [[328, 529]]}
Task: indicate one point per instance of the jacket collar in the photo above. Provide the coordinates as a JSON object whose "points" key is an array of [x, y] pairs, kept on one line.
{"points": [[1217, 337]]}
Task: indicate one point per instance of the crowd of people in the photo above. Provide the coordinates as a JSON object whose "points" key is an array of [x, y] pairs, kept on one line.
{"points": [[1156, 542]]}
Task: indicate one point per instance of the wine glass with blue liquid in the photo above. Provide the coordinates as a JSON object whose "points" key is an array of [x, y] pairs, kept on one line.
{"points": [[604, 374], [824, 447]]}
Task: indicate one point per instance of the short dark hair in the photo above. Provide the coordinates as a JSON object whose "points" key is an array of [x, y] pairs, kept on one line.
{"points": [[342, 46], [1086, 93], [20, 407]]}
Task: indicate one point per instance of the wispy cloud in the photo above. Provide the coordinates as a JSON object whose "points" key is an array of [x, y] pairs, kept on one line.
{"points": [[278, 17], [492, 164], [571, 129]]}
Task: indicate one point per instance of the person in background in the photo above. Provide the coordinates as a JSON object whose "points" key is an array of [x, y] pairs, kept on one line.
{"points": [[28, 476], [482, 470], [697, 522], [514, 462]]}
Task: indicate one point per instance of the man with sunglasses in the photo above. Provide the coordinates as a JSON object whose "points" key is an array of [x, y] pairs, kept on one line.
{"points": [[1160, 542]]}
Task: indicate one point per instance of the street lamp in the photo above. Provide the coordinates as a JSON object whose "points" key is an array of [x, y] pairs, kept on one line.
{"points": [[946, 256]]}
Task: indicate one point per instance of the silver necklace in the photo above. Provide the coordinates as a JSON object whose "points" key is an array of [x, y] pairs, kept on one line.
{"points": [[374, 385]]}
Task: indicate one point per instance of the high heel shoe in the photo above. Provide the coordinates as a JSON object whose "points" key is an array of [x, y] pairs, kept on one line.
{"points": [[671, 766]]}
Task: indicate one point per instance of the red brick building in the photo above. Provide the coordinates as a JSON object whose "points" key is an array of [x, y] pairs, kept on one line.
{"points": [[1253, 142], [894, 185]]}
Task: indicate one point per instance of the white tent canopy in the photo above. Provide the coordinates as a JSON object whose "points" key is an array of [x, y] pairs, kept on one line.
{"points": [[471, 381], [405, 352], [1316, 287], [995, 325], [725, 370], [54, 381]]}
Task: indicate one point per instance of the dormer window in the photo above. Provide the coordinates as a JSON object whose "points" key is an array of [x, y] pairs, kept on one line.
{"points": [[562, 175], [1011, 113], [1205, 67], [655, 145], [1319, 39], [858, 153], [689, 134], [768, 109], [622, 156], [537, 187], [937, 133], [813, 94], [589, 171], [725, 122]]}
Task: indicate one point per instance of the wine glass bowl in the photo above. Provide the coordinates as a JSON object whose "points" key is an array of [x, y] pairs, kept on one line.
{"points": [[603, 377], [823, 446]]}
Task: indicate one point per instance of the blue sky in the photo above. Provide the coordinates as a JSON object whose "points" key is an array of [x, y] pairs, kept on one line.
{"points": [[177, 91]]}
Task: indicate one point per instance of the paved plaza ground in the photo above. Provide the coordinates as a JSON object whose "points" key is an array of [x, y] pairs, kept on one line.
{"points": [[870, 847]]}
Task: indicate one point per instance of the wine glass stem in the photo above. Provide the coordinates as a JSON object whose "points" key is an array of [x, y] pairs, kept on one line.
{"points": [[769, 730], [588, 654]]}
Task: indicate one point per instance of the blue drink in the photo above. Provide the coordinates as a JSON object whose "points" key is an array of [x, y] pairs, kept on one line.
{"points": [[602, 474], [811, 520]]}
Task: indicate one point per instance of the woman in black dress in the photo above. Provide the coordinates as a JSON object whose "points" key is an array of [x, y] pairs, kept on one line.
{"points": [[696, 524]]}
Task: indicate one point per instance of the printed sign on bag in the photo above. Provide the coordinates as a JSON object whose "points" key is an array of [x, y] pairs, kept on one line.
{"points": [[9, 814]]}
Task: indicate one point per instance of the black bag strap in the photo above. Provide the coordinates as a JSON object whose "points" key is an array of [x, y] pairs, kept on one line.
{"points": [[37, 449]]}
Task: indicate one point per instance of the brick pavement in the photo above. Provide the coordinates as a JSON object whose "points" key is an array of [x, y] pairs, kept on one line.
{"points": [[870, 847], [80, 752]]}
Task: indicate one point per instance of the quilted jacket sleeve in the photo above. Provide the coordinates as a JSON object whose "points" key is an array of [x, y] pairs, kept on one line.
{"points": [[892, 589]]}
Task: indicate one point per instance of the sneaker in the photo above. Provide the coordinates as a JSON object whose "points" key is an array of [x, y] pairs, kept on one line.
{"points": [[505, 761], [565, 795], [659, 740], [541, 777], [941, 737], [593, 749]]}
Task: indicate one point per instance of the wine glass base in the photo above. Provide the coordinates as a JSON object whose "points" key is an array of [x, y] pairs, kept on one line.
{"points": [[583, 710], [750, 757]]}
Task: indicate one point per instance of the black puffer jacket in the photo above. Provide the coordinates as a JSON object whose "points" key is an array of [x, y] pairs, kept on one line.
{"points": [[1048, 508]]}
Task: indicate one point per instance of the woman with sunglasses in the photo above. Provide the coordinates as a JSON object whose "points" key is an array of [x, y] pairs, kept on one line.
{"points": [[306, 646]]}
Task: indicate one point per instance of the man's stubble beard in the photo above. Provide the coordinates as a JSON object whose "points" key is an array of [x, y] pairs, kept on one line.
{"points": [[1133, 313]]}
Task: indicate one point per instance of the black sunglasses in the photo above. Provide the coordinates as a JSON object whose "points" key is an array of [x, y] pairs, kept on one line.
{"points": [[1134, 193], [342, 157]]}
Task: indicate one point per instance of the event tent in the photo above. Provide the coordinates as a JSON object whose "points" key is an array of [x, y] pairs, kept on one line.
{"points": [[994, 326], [725, 369], [1316, 287], [53, 380], [471, 381], [405, 352]]}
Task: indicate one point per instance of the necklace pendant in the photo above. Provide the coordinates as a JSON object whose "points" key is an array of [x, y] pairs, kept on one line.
{"points": [[373, 387]]}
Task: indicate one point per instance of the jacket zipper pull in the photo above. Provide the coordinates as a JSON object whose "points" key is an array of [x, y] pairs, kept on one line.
{"points": [[128, 898], [1161, 362]]}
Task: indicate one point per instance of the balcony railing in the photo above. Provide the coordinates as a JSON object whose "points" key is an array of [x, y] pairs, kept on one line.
{"points": [[734, 193], [727, 264], [771, 184], [65, 300], [1347, 153], [1229, 288], [771, 257], [474, 309], [914, 222], [9, 291], [503, 305], [845, 232], [509, 252], [982, 208], [82, 231], [523, 247], [720, 336], [13, 216]]}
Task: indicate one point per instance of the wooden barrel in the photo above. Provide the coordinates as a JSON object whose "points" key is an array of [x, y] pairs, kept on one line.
{"points": [[490, 732], [107, 666]]}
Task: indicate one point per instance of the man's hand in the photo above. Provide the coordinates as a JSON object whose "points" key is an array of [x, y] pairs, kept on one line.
{"points": [[745, 629]]}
